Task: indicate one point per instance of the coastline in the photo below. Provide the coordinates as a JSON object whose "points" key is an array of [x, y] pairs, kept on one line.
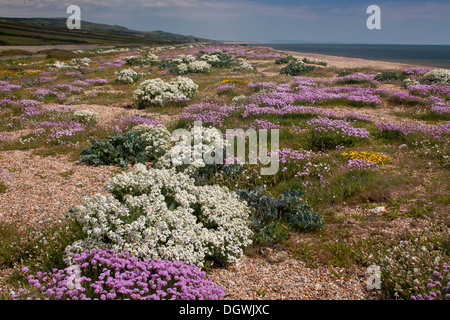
{"points": [[346, 62]]}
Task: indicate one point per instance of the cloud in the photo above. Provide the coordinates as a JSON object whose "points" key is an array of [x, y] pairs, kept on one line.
{"points": [[186, 9]]}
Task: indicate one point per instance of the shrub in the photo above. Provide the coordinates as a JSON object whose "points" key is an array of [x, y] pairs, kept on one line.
{"points": [[345, 72], [314, 61], [107, 275], [296, 68], [80, 62], [242, 66], [151, 58], [161, 214], [182, 154], [437, 76], [127, 76], [60, 54], [285, 59], [139, 60], [142, 143], [270, 217], [389, 75], [159, 92], [185, 64], [86, 116], [218, 58], [15, 52]]}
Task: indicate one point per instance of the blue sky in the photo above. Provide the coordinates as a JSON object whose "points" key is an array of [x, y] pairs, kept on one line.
{"points": [[402, 21]]}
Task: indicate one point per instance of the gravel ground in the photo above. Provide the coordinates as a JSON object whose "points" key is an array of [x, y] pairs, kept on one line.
{"points": [[275, 276]]}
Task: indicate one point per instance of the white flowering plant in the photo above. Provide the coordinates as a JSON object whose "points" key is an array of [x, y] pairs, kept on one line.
{"points": [[243, 66], [58, 65], [158, 92], [186, 64], [437, 76], [217, 58], [147, 59], [152, 58], [80, 62], [86, 116], [184, 148], [161, 214], [157, 139], [127, 76]]}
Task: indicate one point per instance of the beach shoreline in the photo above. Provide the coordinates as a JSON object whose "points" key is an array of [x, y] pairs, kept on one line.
{"points": [[346, 62]]}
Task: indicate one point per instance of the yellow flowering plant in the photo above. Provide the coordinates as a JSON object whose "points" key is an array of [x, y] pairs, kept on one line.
{"points": [[375, 157]]}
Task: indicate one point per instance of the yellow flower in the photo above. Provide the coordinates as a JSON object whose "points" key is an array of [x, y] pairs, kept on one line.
{"points": [[375, 157]]}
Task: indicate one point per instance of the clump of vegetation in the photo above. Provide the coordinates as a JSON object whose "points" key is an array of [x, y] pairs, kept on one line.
{"points": [[139, 145], [272, 218], [389, 76], [285, 59], [15, 52], [58, 54], [297, 68]]}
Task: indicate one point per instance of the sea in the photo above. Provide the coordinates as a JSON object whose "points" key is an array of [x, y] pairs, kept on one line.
{"points": [[437, 56]]}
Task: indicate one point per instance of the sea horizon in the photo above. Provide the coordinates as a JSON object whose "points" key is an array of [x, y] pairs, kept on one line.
{"points": [[415, 54]]}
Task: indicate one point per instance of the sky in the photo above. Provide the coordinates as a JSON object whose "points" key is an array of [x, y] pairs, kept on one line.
{"points": [[324, 21]]}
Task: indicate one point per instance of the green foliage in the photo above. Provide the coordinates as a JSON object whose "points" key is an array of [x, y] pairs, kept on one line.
{"points": [[15, 52], [345, 72], [296, 68], [272, 218], [325, 140], [137, 61], [225, 59], [389, 75], [120, 148], [61, 55], [205, 175], [3, 187], [41, 248], [286, 59]]}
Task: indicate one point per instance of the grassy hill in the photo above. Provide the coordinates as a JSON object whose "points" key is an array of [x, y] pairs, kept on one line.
{"points": [[45, 31]]}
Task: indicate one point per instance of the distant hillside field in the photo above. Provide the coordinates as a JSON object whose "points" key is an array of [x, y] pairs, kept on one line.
{"points": [[50, 31]]}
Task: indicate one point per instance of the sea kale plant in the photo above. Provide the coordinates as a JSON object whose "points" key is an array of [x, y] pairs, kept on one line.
{"points": [[161, 214], [285, 59], [389, 76], [141, 144], [158, 92], [103, 274], [86, 116], [218, 58], [296, 68], [272, 218], [185, 64], [127, 76], [436, 76]]}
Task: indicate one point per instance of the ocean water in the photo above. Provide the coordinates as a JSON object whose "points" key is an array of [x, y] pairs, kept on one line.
{"points": [[425, 55]]}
